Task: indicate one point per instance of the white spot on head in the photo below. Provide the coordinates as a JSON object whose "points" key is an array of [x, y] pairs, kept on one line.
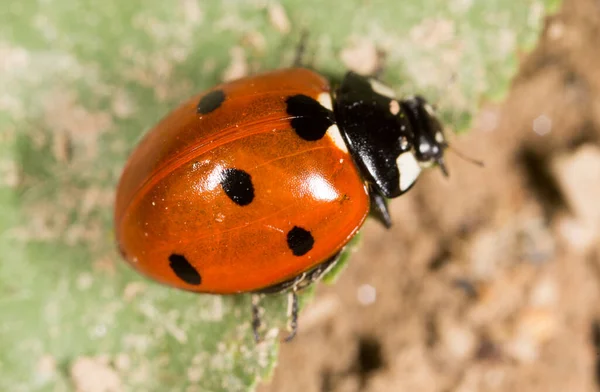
{"points": [[382, 89], [424, 148], [409, 170], [333, 132], [403, 142], [325, 100], [394, 107]]}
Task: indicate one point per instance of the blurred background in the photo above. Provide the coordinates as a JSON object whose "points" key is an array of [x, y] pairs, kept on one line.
{"points": [[488, 281]]}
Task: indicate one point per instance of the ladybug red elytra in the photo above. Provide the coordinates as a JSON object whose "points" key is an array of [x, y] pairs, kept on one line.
{"points": [[257, 185]]}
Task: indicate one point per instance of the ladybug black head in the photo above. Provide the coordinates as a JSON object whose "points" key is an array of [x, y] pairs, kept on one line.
{"points": [[391, 140], [428, 141]]}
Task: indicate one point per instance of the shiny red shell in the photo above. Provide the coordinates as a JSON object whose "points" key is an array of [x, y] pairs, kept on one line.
{"points": [[220, 195]]}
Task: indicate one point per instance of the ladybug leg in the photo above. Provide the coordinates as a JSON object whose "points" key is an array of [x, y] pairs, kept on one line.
{"points": [[256, 323], [379, 208], [381, 65], [301, 50], [291, 287], [293, 314]]}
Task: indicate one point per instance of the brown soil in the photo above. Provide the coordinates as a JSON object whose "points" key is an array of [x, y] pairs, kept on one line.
{"points": [[489, 281]]}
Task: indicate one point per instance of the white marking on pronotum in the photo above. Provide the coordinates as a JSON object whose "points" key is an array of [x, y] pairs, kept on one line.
{"points": [[409, 170], [424, 148], [325, 100], [336, 137], [333, 131], [382, 89]]}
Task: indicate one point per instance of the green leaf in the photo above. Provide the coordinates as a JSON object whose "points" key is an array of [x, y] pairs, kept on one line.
{"points": [[83, 80]]}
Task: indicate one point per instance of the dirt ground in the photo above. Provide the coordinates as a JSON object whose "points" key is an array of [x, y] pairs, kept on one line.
{"points": [[489, 281]]}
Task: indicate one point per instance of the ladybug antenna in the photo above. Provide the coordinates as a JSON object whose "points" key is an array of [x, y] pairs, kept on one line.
{"points": [[462, 156], [442, 164]]}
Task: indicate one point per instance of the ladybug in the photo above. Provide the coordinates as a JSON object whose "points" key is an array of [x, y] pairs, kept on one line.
{"points": [[257, 185]]}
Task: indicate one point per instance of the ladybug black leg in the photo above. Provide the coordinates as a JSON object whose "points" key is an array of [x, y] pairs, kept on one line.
{"points": [[256, 323], [301, 50], [379, 208], [381, 65], [293, 323], [291, 287]]}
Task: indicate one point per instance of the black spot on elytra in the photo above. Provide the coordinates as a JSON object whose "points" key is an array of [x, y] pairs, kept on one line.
{"points": [[310, 119], [237, 185], [300, 241], [210, 102], [184, 270]]}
